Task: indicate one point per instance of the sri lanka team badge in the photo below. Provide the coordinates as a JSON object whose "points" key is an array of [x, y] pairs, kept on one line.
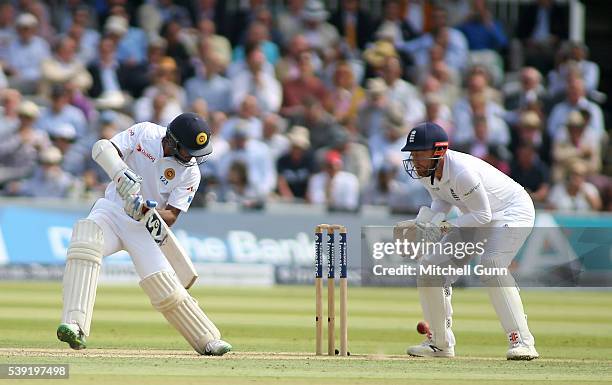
{"points": [[201, 138], [169, 173]]}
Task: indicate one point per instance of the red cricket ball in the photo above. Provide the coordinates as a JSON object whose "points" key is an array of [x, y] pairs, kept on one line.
{"points": [[423, 327]]}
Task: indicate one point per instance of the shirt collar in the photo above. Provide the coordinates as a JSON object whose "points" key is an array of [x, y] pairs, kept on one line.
{"points": [[445, 171]]}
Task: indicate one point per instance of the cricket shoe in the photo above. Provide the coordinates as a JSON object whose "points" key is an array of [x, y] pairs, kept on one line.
{"points": [[71, 334], [217, 348], [428, 349], [521, 351]]}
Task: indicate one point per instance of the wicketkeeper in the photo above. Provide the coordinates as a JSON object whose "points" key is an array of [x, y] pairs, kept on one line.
{"points": [[162, 171], [489, 202]]}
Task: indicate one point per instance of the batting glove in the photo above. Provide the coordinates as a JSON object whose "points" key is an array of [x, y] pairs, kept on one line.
{"points": [[128, 184], [136, 206]]}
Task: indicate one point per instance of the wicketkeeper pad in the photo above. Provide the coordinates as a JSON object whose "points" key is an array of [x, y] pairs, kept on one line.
{"points": [[81, 274], [171, 299]]}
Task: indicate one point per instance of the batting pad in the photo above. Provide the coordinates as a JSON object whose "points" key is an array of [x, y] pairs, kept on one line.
{"points": [[171, 299], [81, 274]]}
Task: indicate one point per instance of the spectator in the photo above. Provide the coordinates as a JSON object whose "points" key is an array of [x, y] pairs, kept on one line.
{"points": [[575, 100], [258, 34], [289, 19], [320, 34], [440, 81], [530, 129], [169, 11], [482, 31], [60, 112], [541, 26], [288, 66], [479, 81], [355, 156], [400, 91], [261, 171], [208, 83], [458, 11], [370, 120], [438, 112], [241, 20], [337, 189], [247, 118], [7, 29], [277, 143], [164, 99], [295, 167], [25, 55], [393, 136], [398, 27], [483, 138], [375, 57], [19, 150], [381, 191], [479, 117], [48, 181], [218, 44], [573, 59], [576, 143], [239, 187], [65, 65], [575, 193], [319, 122], [210, 168], [353, 23], [451, 40], [346, 96], [254, 81], [176, 48], [105, 71], [87, 39], [306, 85], [131, 41], [136, 77], [212, 11], [531, 91], [9, 119], [530, 172]]}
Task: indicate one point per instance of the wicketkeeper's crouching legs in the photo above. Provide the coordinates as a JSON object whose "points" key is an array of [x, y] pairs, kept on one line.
{"points": [[437, 310], [181, 310]]}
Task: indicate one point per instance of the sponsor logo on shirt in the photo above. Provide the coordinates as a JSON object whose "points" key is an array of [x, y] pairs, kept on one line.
{"points": [[190, 199], [191, 189], [472, 190], [131, 132], [454, 194], [145, 153]]}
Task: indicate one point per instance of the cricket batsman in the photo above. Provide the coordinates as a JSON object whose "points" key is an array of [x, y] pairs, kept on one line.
{"points": [[160, 170], [487, 199]]}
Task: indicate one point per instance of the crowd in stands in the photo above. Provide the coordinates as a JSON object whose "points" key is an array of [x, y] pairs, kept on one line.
{"points": [[306, 103]]}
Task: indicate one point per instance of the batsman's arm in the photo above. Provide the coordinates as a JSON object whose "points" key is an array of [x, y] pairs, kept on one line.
{"points": [[169, 214]]}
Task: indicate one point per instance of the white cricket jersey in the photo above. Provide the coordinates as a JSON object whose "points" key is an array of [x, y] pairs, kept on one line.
{"points": [[480, 191], [165, 180]]}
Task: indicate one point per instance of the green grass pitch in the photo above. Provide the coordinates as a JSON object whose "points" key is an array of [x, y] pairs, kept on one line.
{"points": [[272, 330]]}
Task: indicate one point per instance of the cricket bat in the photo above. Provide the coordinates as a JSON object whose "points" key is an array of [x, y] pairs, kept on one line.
{"points": [[105, 154], [172, 249]]}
